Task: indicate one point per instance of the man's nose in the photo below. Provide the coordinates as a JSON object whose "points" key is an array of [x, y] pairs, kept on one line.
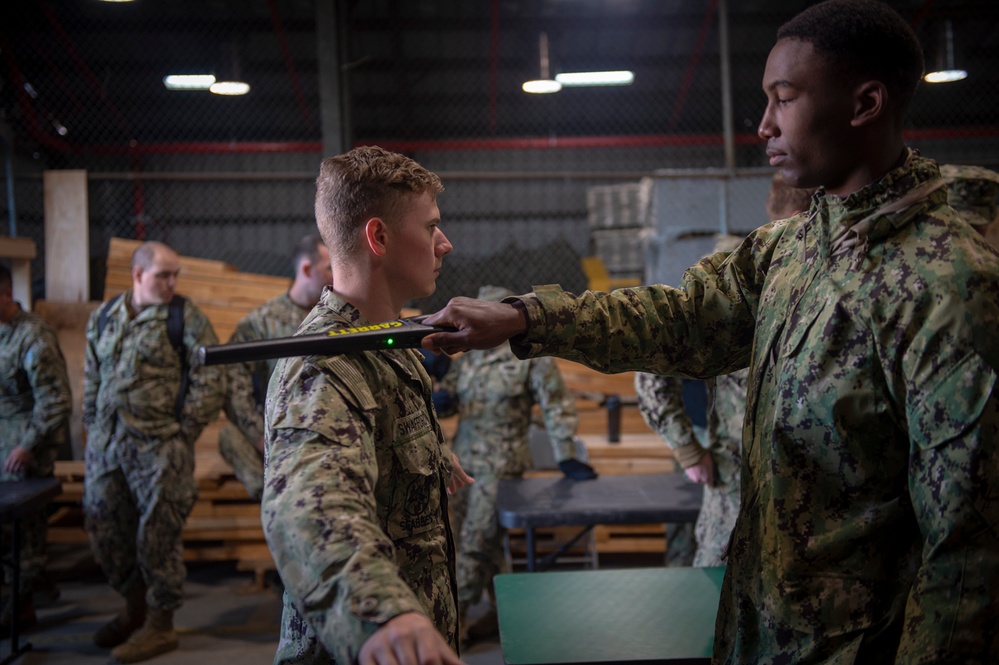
{"points": [[443, 245]]}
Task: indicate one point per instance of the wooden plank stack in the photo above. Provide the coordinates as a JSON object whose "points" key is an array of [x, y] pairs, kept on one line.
{"points": [[225, 522]]}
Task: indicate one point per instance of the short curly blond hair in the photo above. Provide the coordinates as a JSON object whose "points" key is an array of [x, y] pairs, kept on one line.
{"points": [[363, 183]]}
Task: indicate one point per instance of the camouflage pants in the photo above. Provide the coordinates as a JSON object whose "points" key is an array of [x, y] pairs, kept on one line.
{"points": [[245, 459], [480, 537], [134, 514], [719, 508], [680, 544], [32, 529]]}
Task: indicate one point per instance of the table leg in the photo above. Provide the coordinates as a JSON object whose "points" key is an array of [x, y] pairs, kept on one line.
{"points": [[532, 564], [15, 589]]}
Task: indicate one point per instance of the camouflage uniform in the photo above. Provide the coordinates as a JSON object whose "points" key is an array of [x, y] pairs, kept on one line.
{"points": [[35, 406], [867, 530], [247, 387], [494, 393], [139, 486], [972, 191], [355, 501], [661, 403]]}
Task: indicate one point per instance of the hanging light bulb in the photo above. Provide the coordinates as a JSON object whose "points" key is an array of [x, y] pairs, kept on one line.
{"points": [[545, 84], [231, 83], [945, 70]]}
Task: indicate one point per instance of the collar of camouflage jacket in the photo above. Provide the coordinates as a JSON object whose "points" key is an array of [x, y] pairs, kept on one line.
{"points": [[851, 224]]}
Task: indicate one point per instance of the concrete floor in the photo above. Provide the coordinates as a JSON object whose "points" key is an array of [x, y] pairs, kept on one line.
{"points": [[224, 619]]}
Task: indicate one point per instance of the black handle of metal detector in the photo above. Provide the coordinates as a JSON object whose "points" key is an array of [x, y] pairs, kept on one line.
{"points": [[397, 334]]}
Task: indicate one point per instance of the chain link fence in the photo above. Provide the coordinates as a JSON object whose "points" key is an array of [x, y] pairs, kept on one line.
{"points": [[231, 178]]}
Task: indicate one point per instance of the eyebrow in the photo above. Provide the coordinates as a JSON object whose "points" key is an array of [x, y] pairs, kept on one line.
{"points": [[779, 83]]}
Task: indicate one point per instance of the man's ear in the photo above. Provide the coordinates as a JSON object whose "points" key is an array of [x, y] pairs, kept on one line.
{"points": [[870, 103], [375, 233], [136, 273]]}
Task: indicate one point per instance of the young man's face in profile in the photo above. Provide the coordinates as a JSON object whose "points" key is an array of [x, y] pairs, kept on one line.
{"points": [[807, 121], [156, 284], [418, 246]]}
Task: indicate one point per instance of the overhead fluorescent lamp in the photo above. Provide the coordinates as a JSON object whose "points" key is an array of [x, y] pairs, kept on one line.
{"points": [[230, 88], [946, 76], [541, 86], [945, 70], [188, 81], [569, 79]]}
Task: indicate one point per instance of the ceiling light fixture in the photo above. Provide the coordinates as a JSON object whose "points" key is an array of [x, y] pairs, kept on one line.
{"points": [[570, 79], [545, 84], [231, 83], [188, 81], [945, 70], [231, 88]]}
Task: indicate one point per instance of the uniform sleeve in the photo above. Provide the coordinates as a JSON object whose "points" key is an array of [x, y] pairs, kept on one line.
{"points": [[558, 406], [45, 369], [206, 383], [320, 518], [952, 408], [91, 372], [240, 403], [701, 329], [660, 400]]}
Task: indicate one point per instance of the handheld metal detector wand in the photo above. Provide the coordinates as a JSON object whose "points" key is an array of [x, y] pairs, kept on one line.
{"points": [[398, 334]]}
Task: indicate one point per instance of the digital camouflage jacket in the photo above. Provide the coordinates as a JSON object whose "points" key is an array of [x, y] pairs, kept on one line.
{"points": [[132, 375], [247, 382], [868, 527], [355, 503], [35, 402], [494, 392]]}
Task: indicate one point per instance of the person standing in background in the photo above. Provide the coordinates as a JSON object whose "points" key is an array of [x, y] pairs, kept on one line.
{"points": [[493, 393], [146, 398], [241, 440], [35, 406], [660, 400]]}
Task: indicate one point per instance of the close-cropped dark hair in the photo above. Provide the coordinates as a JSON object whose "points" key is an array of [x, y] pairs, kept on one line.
{"points": [[863, 39], [306, 248]]}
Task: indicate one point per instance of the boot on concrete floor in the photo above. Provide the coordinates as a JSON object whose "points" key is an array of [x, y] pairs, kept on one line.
{"points": [[26, 617], [127, 621], [154, 638]]}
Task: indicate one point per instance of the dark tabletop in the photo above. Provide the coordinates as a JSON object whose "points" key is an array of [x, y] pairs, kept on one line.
{"points": [[22, 497], [609, 499]]}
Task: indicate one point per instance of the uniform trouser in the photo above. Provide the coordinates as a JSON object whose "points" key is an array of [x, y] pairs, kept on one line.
{"points": [[245, 459], [135, 512], [719, 509], [680, 543], [33, 529], [480, 537]]}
